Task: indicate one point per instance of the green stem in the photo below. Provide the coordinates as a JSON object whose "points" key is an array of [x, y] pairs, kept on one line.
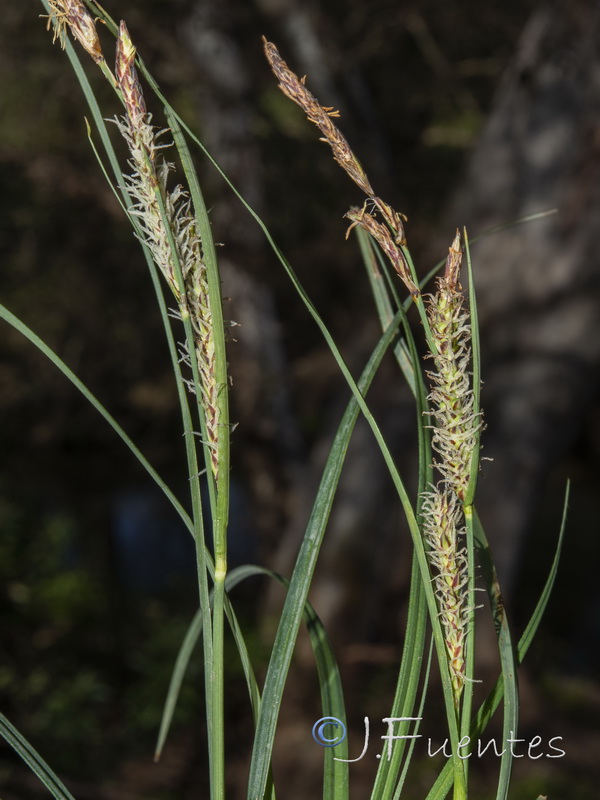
{"points": [[467, 702], [460, 786], [219, 489], [217, 732]]}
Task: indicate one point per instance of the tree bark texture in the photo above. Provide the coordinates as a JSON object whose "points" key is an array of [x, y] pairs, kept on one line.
{"points": [[538, 284]]}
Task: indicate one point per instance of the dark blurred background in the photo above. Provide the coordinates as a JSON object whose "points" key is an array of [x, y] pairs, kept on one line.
{"points": [[462, 113]]}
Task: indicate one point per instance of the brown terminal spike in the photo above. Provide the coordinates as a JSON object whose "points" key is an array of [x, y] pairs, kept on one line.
{"points": [[294, 88], [383, 237]]}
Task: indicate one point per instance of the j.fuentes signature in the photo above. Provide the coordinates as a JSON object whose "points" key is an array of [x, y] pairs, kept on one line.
{"points": [[331, 731]]}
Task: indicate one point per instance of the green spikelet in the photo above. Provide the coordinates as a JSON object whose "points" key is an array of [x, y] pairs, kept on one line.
{"points": [[451, 399], [454, 438], [442, 528], [176, 224]]}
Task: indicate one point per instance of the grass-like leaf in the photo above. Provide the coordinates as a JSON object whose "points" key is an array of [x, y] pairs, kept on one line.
{"points": [[33, 760], [20, 326], [406, 687], [378, 275], [332, 698], [302, 576], [485, 712], [387, 303], [508, 658], [476, 371]]}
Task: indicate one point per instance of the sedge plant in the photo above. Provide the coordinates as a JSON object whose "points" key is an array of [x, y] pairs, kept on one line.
{"points": [[171, 224]]}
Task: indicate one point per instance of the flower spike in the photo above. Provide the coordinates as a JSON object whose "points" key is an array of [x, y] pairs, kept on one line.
{"points": [[73, 14]]}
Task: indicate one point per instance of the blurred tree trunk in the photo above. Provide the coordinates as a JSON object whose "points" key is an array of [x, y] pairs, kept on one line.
{"points": [[538, 284]]}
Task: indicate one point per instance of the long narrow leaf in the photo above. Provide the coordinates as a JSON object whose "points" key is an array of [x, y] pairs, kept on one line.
{"points": [[197, 528], [383, 303], [467, 698], [20, 326], [508, 660], [126, 202], [387, 302], [335, 768], [407, 684], [216, 307], [33, 760], [336, 771], [183, 658], [296, 598], [420, 711], [485, 712], [476, 372]]}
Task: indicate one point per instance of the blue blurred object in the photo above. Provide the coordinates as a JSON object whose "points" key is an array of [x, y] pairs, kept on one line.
{"points": [[153, 549]]}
